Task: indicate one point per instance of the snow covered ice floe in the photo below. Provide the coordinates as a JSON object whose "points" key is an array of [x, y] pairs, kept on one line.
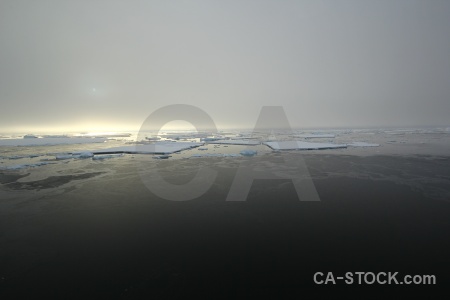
{"points": [[362, 144], [300, 145], [49, 141], [163, 147]]}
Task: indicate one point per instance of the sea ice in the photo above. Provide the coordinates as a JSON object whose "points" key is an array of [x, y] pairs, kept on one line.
{"points": [[318, 135], [236, 142], [105, 135], [162, 157], [362, 144], [300, 145], [83, 155], [210, 139], [248, 152], [74, 155], [163, 147]]}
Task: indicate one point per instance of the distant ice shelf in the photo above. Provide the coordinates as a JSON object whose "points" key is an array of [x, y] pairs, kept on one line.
{"points": [[49, 141], [301, 145], [155, 148]]}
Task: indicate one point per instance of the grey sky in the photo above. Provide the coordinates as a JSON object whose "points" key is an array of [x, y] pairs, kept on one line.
{"points": [[328, 63]]}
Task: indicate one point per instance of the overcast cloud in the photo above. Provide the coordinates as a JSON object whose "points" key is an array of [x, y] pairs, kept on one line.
{"points": [[99, 64]]}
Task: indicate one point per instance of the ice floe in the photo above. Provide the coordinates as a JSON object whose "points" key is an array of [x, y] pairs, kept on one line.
{"points": [[301, 145], [211, 139], [74, 155], [163, 147], [236, 142], [248, 152], [83, 154], [362, 144]]}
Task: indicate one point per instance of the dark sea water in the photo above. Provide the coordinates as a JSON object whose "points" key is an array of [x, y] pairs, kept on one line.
{"points": [[93, 230]]}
